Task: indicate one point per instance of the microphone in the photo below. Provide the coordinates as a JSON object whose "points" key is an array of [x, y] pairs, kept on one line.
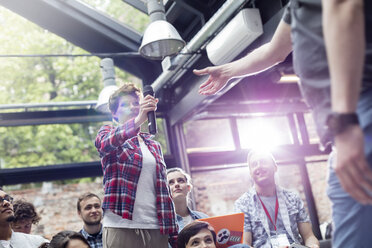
{"points": [[147, 90]]}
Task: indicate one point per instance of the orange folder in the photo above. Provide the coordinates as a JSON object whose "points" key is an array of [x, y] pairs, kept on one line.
{"points": [[229, 229]]}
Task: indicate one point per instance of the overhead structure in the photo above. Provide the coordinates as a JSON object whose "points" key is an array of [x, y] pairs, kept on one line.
{"points": [[160, 39], [196, 24], [109, 85]]}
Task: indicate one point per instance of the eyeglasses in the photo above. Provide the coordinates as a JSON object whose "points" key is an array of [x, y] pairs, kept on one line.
{"points": [[7, 198]]}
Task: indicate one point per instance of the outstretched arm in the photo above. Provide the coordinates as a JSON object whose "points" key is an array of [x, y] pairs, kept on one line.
{"points": [[260, 59], [344, 34]]}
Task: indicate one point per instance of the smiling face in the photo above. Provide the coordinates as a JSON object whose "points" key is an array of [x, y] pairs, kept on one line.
{"points": [[91, 211], [128, 108], [6, 208], [203, 239], [178, 185], [262, 169]]}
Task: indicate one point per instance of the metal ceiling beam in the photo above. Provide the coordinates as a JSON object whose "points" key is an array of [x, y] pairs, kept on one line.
{"points": [[137, 4], [296, 153], [51, 117], [85, 27], [57, 172]]}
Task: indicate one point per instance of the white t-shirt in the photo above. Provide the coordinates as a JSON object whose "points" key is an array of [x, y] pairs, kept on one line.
{"points": [[22, 240], [187, 220], [144, 210]]}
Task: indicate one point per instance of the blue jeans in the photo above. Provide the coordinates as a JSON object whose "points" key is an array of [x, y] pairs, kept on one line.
{"points": [[353, 221]]}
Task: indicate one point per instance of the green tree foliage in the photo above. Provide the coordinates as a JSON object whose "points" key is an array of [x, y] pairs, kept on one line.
{"points": [[122, 12], [51, 79]]}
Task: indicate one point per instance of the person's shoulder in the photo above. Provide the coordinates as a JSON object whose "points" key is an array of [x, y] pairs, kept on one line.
{"points": [[104, 129], [289, 193], [245, 199], [106, 126], [290, 196], [29, 239], [200, 215]]}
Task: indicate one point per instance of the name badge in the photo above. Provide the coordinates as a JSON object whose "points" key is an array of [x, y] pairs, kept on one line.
{"points": [[279, 240]]}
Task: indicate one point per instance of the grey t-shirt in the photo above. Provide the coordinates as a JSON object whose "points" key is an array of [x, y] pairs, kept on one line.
{"points": [[310, 60], [269, 202]]}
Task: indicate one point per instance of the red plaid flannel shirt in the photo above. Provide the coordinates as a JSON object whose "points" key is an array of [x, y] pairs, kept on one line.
{"points": [[121, 159]]}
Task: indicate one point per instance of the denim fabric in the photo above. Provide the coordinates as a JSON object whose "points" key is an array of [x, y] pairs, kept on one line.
{"points": [[352, 220], [195, 215]]}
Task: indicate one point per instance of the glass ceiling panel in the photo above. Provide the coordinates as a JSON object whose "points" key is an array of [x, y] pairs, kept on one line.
{"points": [[264, 132], [39, 145], [311, 128], [208, 135], [41, 79], [121, 12]]}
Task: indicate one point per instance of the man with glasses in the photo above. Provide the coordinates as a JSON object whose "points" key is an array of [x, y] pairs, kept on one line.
{"points": [[8, 238], [273, 217]]}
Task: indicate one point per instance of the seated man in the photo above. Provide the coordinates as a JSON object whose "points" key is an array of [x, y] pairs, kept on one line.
{"points": [[274, 217], [24, 216], [90, 211], [8, 238]]}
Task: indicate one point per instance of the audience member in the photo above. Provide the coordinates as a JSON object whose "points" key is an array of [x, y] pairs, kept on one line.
{"points": [[138, 208], [332, 55], [197, 234], [8, 238], [272, 216], [24, 216], [180, 186], [67, 239], [90, 211]]}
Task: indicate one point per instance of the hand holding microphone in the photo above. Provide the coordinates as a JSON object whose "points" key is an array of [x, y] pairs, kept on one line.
{"points": [[147, 110]]}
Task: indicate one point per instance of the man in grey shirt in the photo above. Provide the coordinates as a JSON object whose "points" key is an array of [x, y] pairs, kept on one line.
{"points": [[273, 217]]}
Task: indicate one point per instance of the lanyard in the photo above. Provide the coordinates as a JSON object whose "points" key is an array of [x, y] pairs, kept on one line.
{"points": [[267, 212]]}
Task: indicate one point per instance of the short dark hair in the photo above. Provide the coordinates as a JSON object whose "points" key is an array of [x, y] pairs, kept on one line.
{"points": [[61, 239], [126, 89], [84, 197], [191, 230], [24, 210]]}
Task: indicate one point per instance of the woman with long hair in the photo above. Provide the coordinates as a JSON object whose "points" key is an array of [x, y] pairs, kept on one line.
{"points": [[180, 186]]}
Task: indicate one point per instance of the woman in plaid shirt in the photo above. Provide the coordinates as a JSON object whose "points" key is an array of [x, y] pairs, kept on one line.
{"points": [[138, 209]]}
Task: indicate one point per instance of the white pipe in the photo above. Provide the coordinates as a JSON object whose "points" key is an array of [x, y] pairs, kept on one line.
{"points": [[218, 19]]}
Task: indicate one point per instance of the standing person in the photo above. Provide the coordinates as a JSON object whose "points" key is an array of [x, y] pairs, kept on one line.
{"points": [[8, 238], [332, 55], [180, 186], [90, 211], [273, 217], [25, 216], [138, 209]]}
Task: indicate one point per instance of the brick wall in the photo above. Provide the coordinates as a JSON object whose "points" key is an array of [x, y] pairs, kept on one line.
{"points": [[214, 194]]}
